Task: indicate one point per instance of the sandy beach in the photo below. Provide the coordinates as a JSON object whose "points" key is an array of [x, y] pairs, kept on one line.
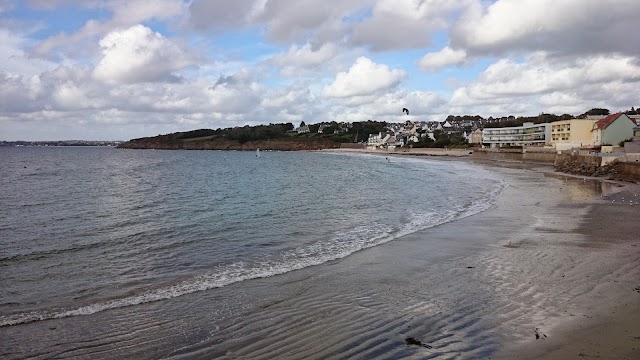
{"points": [[550, 271]]}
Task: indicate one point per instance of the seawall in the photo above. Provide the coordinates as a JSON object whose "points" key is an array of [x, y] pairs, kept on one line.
{"points": [[621, 167], [530, 157]]}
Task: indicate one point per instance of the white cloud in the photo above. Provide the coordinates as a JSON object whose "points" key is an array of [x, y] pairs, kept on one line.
{"points": [[125, 13], [558, 26], [363, 78], [402, 24], [543, 83], [445, 57], [215, 14], [138, 54], [306, 55], [389, 106], [309, 60], [377, 24], [14, 60]]}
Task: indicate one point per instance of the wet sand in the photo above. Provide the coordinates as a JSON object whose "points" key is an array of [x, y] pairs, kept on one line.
{"points": [[552, 270], [410, 152]]}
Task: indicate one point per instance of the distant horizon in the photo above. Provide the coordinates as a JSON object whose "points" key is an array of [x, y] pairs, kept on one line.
{"points": [[294, 124]]}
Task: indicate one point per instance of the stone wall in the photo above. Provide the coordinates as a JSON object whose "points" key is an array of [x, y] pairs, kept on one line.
{"points": [[540, 158], [629, 171], [352, 146], [544, 158]]}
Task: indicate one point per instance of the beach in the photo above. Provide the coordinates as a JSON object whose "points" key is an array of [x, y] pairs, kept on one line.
{"points": [[550, 270]]}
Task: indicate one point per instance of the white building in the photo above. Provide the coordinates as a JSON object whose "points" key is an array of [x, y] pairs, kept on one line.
{"points": [[302, 129], [527, 134], [376, 141]]}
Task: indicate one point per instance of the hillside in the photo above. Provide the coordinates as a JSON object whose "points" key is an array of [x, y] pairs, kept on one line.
{"points": [[265, 137], [171, 142]]}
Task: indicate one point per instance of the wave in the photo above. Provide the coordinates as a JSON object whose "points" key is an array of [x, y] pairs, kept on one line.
{"points": [[340, 245]]}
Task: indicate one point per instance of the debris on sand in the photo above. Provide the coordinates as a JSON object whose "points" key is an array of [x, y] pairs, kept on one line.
{"points": [[538, 335], [413, 341]]}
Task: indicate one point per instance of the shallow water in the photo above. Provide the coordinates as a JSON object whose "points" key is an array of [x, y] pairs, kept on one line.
{"points": [[469, 288], [84, 230]]}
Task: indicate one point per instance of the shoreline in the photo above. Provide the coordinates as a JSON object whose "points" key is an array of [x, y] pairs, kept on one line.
{"points": [[538, 262], [611, 329], [439, 152]]}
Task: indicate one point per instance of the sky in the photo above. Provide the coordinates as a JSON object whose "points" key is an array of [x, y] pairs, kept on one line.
{"points": [[123, 69]]}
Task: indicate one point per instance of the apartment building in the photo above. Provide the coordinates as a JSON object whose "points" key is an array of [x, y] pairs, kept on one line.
{"points": [[572, 133], [527, 134]]}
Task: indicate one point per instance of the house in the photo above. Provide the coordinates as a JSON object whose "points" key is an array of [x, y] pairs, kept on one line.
{"points": [[302, 129], [379, 140], [476, 137], [411, 130], [572, 133], [527, 134], [612, 129], [322, 127]]}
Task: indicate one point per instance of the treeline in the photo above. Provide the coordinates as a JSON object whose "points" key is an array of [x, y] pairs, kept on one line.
{"points": [[542, 118], [332, 131], [454, 118], [510, 121], [361, 130], [260, 132]]}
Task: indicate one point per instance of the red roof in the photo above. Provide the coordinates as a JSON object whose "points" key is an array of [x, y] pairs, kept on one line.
{"points": [[606, 121]]}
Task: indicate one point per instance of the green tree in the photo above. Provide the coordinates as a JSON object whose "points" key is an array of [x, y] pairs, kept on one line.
{"points": [[598, 111]]}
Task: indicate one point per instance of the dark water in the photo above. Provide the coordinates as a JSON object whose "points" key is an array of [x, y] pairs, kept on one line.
{"points": [[83, 230]]}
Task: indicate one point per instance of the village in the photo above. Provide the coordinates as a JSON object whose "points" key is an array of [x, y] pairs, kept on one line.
{"points": [[613, 133]]}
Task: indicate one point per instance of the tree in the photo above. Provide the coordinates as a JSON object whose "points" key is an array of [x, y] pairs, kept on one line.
{"points": [[302, 124], [598, 111]]}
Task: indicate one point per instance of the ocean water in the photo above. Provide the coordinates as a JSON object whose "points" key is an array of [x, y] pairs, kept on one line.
{"points": [[85, 230]]}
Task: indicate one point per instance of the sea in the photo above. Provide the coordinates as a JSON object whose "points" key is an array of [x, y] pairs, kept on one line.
{"points": [[85, 230]]}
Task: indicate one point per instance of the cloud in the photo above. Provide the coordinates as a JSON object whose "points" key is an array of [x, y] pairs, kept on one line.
{"points": [[7, 6], [15, 60], [363, 78], [132, 70], [554, 26], [410, 23], [445, 57], [124, 13], [306, 55], [420, 103], [545, 83], [283, 21], [308, 59], [138, 54], [307, 19], [218, 14]]}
